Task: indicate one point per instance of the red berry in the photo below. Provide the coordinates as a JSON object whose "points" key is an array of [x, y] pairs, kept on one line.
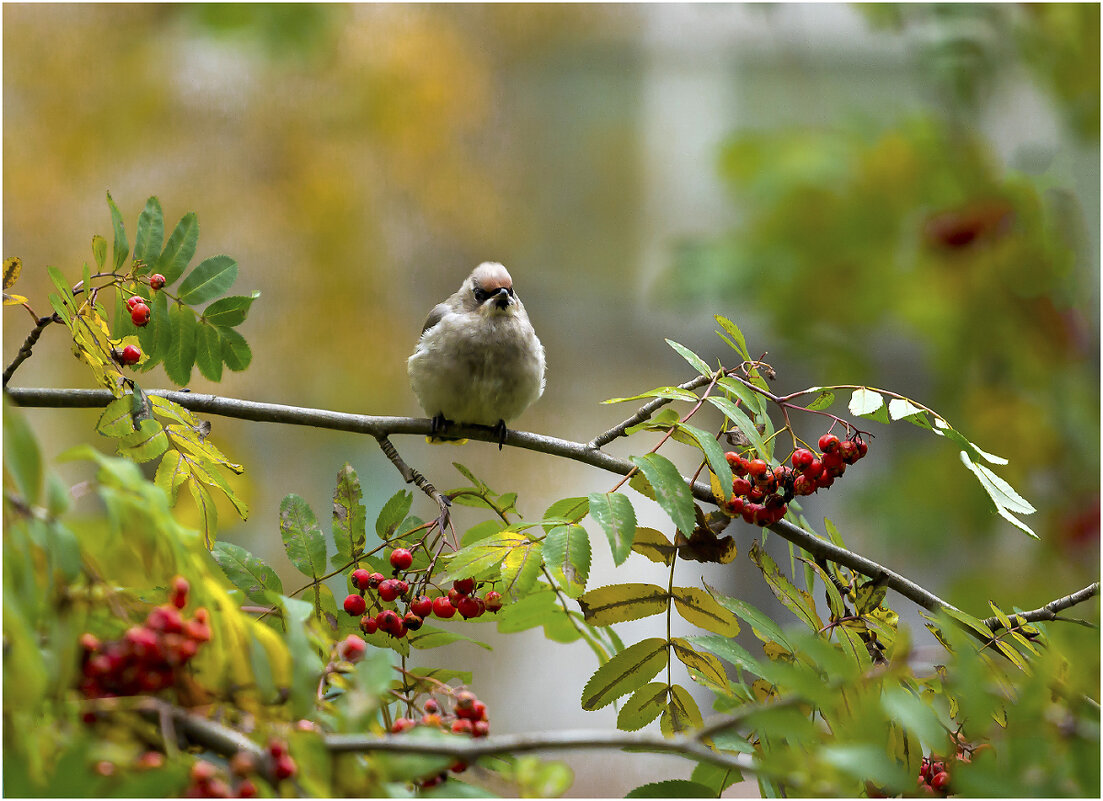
{"points": [[368, 625], [479, 709], [465, 699], [399, 630], [130, 355], [284, 768], [352, 648], [443, 608], [180, 592], [493, 601], [277, 748], [732, 459], [375, 579], [402, 587], [757, 467], [459, 766], [139, 315], [471, 607], [464, 586], [388, 589], [431, 706], [202, 771], [165, 619], [89, 642], [813, 470], [863, 448], [156, 281], [461, 726], [401, 725], [422, 606], [431, 719], [401, 559], [388, 621], [828, 443], [246, 789], [802, 485], [133, 301], [480, 728], [756, 495], [848, 450], [412, 621], [242, 763], [941, 780], [833, 460], [355, 605], [741, 486], [360, 578], [802, 458], [825, 480]]}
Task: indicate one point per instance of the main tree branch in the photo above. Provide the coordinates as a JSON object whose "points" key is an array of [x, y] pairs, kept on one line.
{"points": [[381, 427]]}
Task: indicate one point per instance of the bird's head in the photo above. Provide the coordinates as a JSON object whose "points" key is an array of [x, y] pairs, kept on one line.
{"points": [[489, 291]]}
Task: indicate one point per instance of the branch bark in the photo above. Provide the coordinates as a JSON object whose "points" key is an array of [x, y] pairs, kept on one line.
{"points": [[1047, 612], [381, 427]]}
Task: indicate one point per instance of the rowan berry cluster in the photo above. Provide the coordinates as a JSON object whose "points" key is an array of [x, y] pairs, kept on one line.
{"points": [[461, 598], [933, 776], [207, 781], [762, 494], [468, 716], [139, 311], [146, 658]]}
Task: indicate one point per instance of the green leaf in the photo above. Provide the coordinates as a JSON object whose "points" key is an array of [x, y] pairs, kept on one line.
{"points": [[208, 351], [903, 409], [480, 531], [654, 545], [394, 511], [629, 670], [729, 650], [668, 393], [671, 788], [714, 778], [681, 714], [173, 471], [736, 335], [208, 513], [614, 513], [208, 280], [1001, 493], [179, 249], [718, 463], [695, 361], [230, 311], [705, 664], [567, 555], [235, 350], [433, 637], [349, 515], [741, 421], [797, 601], [645, 704], [302, 539], [191, 439], [148, 442], [477, 558], [22, 458], [149, 236], [179, 354], [246, 572], [821, 401], [156, 336], [99, 250], [565, 510], [122, 247], [867, 403], [531, 611], [617, 603], [914, 715], [520, 569], [701, 609], [117, 419], [671, 490]]}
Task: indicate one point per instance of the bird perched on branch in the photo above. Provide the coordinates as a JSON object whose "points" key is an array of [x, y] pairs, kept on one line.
{"points": [[478, 359]]}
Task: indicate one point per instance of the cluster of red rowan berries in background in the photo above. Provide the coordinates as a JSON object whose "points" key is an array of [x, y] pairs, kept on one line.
{"points": [[933, 776], [206, 780], [762, 494], [461, 598], [468, 716], [146, 658]]}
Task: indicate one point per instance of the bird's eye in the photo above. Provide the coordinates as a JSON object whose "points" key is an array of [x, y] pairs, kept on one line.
{"points": [[481, 294]]}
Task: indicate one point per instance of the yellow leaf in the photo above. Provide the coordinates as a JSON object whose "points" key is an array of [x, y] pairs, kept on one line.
{"points": [[13, 300], [13, 266]]}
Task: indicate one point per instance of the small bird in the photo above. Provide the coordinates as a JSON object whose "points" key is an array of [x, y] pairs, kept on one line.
{"points": [[478, 359]]}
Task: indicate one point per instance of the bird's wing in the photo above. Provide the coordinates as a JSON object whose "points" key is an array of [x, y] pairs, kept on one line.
{"points": [[435, 316]]}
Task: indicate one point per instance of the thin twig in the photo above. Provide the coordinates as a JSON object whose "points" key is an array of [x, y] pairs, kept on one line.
{"points": [[412, 476], [28, 344], [470, 749], [643, 413], [381, 427], [1047, 612]]}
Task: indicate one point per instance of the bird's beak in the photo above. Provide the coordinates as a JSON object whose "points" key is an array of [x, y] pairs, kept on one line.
{"points": [[501, 298]]}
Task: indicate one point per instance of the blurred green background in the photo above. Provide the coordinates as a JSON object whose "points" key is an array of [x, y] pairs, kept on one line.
{"points": [[904, 196]]}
